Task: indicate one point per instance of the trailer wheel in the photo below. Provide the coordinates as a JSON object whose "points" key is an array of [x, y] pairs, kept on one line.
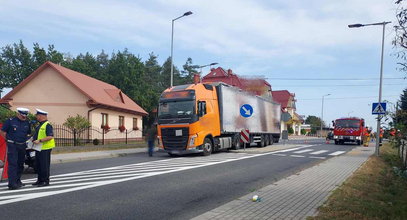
{"points": [[261, 143], [267, 141], [236, 143], [207, 147], [271, 140]]}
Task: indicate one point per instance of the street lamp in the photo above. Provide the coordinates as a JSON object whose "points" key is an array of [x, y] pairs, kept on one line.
{"points": [[172, 42], [381, 77], [322, 111], [211, 64]]}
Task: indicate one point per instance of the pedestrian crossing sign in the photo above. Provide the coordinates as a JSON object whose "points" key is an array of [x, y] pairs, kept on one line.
{"points": [[379, 108]]}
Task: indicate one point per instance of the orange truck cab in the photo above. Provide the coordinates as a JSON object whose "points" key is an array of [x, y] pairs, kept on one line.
{"points": [[203, 118], [349, 129]]}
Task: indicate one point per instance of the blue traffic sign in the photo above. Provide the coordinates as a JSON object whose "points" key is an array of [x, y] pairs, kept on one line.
{"points": [[379, 108], [246, 110]]}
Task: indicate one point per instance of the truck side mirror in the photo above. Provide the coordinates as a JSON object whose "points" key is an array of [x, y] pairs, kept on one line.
{"points": [[201, 108]]}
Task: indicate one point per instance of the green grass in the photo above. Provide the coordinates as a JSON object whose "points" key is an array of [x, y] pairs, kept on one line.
{"points": [[372, 192]]}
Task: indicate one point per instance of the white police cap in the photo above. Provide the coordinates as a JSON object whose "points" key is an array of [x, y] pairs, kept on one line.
{"points": [[41, 112], [23, 111]]}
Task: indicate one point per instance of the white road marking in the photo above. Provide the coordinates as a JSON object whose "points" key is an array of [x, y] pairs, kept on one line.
{"points": [[319, 152], [293, 155], [75, 181], [303, 151], [283, 155], [317, 157], [337, 153]]}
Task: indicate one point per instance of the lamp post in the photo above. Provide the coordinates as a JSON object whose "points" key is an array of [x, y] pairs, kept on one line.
{"points": [[322, 111], [172, 42], [381, 78], [211, 64]]}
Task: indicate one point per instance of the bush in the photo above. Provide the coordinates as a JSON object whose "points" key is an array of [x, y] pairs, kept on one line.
{"points": [[303, 132], [78, 122], [290, 130], [96, 141], [5, 113]]}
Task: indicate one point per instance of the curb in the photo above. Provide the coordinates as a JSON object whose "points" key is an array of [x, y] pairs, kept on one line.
{"points": [[85, 158]]}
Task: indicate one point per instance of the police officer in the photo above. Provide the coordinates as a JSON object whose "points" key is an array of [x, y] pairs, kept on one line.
{"points": [[44, 135], [16, 131]]}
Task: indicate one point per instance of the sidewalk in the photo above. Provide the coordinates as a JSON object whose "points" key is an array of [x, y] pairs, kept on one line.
{"points": [[296, 196], [92, 155]]}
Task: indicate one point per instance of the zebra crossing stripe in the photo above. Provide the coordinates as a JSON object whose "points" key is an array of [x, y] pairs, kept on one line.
{"points": [[319, 152], [336, 153], [303, 151]]}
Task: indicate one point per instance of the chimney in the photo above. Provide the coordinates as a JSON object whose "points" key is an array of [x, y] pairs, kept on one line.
{"points": [[197, 78], [230, 72]]}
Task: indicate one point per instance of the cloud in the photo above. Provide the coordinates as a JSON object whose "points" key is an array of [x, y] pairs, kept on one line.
{"points": [[262, 30]]}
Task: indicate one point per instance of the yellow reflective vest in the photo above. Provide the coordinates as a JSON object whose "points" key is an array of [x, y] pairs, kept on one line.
{"points": [[46, 145]]}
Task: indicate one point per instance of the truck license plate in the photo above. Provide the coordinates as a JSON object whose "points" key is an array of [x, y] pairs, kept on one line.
{"points": [[178, 132]]}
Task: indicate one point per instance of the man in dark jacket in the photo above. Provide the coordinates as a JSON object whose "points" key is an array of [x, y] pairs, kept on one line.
{"points": [[151, 136]]}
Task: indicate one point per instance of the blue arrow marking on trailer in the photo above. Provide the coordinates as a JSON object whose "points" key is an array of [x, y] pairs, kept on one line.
{"points": [[246, 110]]}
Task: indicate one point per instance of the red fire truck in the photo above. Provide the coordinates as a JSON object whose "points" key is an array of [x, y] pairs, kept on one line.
{"points": [[349, 130]]}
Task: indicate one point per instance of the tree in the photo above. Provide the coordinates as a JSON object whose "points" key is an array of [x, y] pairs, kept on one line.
{"points": [[400, 117], [403, 100], [4, 77], [315, 123], [77, 123], [400, 40], [189, 70], [16, 64]]}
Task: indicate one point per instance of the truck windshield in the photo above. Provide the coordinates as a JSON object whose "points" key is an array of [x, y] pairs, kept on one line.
{"points": [[173, 111], [347, 123]]}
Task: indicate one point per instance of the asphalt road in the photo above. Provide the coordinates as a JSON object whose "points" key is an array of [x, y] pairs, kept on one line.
{"points": [[161, 187]]}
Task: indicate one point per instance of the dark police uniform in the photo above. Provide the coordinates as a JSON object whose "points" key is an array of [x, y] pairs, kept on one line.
{"points": [[18, 132]]}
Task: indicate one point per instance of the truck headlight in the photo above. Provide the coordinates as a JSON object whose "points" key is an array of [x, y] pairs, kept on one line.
{"points": [[358, 138], [192, 140], [336, 137]]}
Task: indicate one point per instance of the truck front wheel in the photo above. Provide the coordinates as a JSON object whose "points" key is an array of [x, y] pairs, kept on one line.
{"points": [[207, 147]]}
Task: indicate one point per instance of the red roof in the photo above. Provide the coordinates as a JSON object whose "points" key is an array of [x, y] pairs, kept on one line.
{"points": [[282, 97], [256, 86], [99, 93]]}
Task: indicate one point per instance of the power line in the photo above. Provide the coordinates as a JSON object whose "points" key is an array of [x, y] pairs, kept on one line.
{"points": [[333, 78], [366, 97], [337, 85]]}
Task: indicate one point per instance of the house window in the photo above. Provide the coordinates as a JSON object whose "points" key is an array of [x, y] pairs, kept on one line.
{"points": [[105, 119], [135, 124], [121, 121]]}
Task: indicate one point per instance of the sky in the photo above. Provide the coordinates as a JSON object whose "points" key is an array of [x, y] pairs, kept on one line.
{"points": [[293, 44]]}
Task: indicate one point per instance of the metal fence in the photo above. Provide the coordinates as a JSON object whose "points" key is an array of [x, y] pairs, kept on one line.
{"points": [[65, 136]]}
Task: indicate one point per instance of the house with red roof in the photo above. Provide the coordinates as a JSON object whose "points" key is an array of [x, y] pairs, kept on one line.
{"points": [[63, 92], [258, 87], [287, 101]]}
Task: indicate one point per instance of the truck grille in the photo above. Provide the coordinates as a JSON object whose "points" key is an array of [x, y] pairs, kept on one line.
{"points": [[175, 138]]}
